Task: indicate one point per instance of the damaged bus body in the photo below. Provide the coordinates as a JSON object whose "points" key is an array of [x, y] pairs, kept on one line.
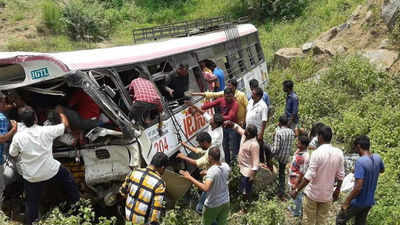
{"points": [[105, 74]]}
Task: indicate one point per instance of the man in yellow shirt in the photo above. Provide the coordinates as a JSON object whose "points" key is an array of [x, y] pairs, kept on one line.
{"points": [[240, 96]]}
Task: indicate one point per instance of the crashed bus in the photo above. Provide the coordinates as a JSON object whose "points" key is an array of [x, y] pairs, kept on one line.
{"points": [[106, 158]]}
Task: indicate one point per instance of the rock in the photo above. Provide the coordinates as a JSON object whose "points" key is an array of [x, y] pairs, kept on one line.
{"points": [[284, 55], [390, 11], [317, 76], [2, 4], [383, 59], [343, 27], [369, 17], [385, 44], [356, 14], [263, 178], [307, 46], [322, 48], [329, 35]]}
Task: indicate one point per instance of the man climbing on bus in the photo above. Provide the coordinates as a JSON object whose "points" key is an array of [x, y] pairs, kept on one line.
{"points": [[229, 110], [146, 101]]}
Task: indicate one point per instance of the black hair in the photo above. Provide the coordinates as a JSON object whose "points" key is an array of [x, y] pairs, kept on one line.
{"points": [[210, 64], [215, 153], [159, 160], [253, 83], [315, 128], [258, 91], [203, 137], [218, 119], [228, 91], [252, 130], [363, 141], [233, 82], [326, 133], [304, 140], [27, 116], [288, 84], [53, 117], [283, 120]]}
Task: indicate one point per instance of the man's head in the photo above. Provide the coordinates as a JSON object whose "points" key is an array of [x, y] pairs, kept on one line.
{"points": [[302, 142], [251, 131], [182, 70], [283, 120], [287, 86], [214, 155], [217, 120], [204, 140], [229, 95], [257, 94], [361, 143], [211, 65], [160, 162], [253, 83], [325, 135], [54, 117], [27, 115], [232, 83], [315, 128]]}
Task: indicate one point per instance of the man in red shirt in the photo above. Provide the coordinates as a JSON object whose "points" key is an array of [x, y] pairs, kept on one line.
{"points": [[84, 104], [229, 108], [146, 101]]}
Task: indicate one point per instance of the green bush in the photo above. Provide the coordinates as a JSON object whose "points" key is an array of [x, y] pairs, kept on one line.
{"points": [[284, 8], [52, 16], [395, 33], [86, 21]]}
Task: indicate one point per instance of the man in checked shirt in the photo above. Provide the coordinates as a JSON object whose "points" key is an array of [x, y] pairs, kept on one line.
{"points": [[144, 191]]}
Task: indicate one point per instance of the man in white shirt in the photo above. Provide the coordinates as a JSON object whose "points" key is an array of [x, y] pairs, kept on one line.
{"points": [[34, 145], [257, 114]]}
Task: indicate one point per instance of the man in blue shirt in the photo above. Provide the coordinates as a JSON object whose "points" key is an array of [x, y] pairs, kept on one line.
{"points": [[361, 199], [5, 136], [292, 104], [253, 83], [219, 73]]}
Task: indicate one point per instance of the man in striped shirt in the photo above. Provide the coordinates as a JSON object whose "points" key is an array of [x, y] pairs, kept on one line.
{"points": [[144, 191], [282, 148]]}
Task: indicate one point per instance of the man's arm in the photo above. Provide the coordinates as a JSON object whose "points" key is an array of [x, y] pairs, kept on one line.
{"points": [[124, 189], [187, 159], [261, 133], [191, 148], [208, 105], [238, 129], [6, 137], [354, 193], [64, 120], [203, 186], [277, 144]]}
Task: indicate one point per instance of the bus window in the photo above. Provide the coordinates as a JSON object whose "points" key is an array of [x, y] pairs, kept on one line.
{"points": [[260, 54], [250, 54]]}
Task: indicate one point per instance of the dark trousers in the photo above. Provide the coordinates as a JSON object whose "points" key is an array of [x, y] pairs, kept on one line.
{"points": [[359, 213], [33, 193], [282, 183], [230, 143], [142, 111]]}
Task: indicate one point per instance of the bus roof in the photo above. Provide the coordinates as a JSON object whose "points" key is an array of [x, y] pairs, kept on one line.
{"points": [[108, 57]]}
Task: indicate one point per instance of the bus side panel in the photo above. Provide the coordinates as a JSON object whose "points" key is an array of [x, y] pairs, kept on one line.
{"points": [[188, 125]]}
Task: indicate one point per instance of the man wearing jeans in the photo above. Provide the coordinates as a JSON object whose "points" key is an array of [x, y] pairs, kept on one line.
{"points": [[229, 110], [216, 185], [292, 104], [34, 145], [326, 166], [366, 172], [281, 149]]}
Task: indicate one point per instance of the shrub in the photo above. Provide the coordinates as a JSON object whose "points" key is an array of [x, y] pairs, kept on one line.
{"points": [[395, 33], [284, 8], [52, 16], [86, 21]]}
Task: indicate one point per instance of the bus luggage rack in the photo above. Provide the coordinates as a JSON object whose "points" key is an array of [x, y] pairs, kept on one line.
{"points": [[184, 28]]}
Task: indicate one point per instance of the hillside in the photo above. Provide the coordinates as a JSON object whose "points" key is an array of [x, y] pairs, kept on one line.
{"points": [[340, 53]]}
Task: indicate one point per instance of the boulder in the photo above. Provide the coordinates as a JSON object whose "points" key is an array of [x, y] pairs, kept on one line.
{"points": [[322, 48], [385, 44], [329, 35], [383, 59], [390, 12], [307, 46], [284, 56]]}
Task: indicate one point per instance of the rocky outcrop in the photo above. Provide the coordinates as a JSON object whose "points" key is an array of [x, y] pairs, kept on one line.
{"points": [[284, 56], [383, 59], [390, 12]]}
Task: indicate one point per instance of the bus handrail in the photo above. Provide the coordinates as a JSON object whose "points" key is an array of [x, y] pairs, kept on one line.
{"points": [[184, 28]]}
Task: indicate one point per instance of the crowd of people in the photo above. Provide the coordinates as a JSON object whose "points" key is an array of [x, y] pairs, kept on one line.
{"points": [[312, 167]]}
